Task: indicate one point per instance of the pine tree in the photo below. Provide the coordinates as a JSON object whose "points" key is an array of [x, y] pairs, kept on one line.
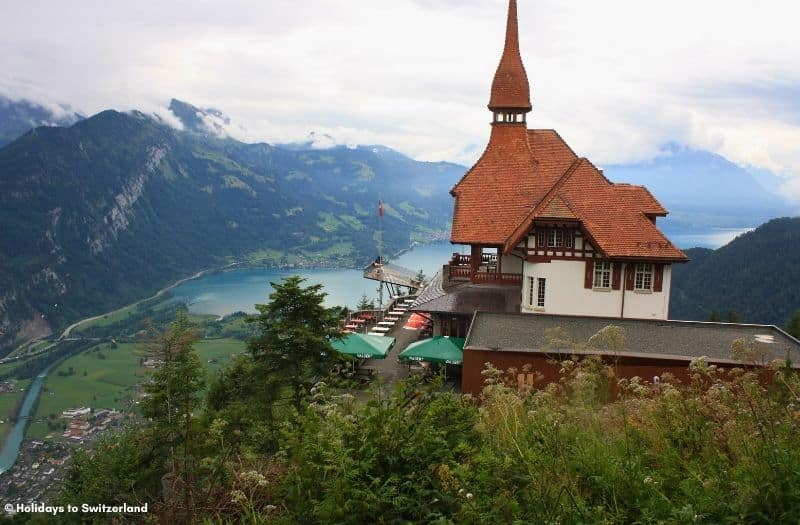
{"points": [[296, 330], [365, 303], [174, 395]]}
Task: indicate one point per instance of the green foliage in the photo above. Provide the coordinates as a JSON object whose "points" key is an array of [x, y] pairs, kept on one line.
{"points": [[295, 333], [365, 303], [754, 277], [174, 392], [124, 468], [249, 400], [667, 454], [386, 458]]}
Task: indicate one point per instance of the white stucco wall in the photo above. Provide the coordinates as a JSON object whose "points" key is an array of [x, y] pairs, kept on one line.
{"points": [[565, 293], [511, 264], [654, 305]]}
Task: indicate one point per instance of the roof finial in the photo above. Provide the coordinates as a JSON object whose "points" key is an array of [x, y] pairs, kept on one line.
{"points": [[510, 88]]}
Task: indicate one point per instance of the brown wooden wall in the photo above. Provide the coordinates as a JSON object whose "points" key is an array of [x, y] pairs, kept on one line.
{"points": [[547, 365]]}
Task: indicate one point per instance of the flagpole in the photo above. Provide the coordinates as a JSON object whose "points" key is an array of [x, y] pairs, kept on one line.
{"points": [[380, 253]]}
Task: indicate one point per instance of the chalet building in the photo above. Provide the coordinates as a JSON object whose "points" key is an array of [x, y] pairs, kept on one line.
{"points": [[545, 229], [548, 233]]}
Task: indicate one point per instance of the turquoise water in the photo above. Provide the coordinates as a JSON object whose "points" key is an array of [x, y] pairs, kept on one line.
{"points": [[239, 290], [710, 239], [14, 440]]}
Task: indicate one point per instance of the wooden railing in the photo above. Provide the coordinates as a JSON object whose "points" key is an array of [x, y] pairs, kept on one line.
{"points": [[464, 273], [465, 260], [460, 273], [497, 278]]}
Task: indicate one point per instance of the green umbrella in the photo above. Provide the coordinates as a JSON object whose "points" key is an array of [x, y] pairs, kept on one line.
{"points": [[364, 346], [438, 349]]}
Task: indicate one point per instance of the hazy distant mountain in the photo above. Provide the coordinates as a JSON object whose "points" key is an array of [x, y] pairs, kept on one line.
{"points": [[756, 275], [112, 208], [204, 121], [17, 117], [702, 189]]}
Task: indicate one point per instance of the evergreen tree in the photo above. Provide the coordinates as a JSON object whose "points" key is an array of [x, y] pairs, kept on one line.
{"points": [[296, 330], [365, 303], [714, 316], [174, 395]]}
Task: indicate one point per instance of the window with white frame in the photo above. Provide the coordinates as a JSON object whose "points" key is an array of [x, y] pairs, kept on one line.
{"points": [[643, 278], [540, 291], [555, 238], [602, 275]]}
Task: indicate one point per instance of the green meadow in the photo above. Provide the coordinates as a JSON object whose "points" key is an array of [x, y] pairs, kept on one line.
{"points": [[106, 377], [9, 402]]}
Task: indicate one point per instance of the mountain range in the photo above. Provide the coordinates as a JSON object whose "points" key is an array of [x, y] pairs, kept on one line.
{"points": [[110, 209], [98, 212], [755, 276]]}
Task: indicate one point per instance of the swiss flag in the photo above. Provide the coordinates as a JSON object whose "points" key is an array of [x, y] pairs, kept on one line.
{"points": [[380, 209]]}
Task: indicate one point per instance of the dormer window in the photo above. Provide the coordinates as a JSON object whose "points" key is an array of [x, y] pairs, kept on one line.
{"points": [[555, 238]]}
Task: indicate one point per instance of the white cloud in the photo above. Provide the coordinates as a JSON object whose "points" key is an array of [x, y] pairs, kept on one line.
{"points": [[617, 78]]}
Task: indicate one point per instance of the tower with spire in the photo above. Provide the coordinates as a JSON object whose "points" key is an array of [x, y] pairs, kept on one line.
{"points": [[543, 230], [510, 99]]}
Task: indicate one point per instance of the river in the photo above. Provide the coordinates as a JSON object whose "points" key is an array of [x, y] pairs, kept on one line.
{"points": [[11, 447]]}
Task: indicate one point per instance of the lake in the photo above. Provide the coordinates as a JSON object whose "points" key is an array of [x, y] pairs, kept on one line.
{"points": [[226, 292], [239, 290]]}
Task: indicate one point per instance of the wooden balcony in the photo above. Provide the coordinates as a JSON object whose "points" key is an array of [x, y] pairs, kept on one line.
{"points": [[460, 269]]}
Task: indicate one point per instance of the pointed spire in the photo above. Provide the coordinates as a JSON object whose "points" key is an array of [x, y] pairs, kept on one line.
{"points": [[510, 88]]}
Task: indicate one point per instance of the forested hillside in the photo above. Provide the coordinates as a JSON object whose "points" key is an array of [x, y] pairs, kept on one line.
{"points": [[757, 275], [111, 209]]}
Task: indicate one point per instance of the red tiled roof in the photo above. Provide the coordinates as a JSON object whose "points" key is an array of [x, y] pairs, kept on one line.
{"points": [[615, 216], [650, 204], [513, 185], [515, 172], [495, 194], [510, 88]]}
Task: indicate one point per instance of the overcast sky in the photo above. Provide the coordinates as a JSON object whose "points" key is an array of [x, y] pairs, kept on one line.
{"points": [[617, 78]]}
